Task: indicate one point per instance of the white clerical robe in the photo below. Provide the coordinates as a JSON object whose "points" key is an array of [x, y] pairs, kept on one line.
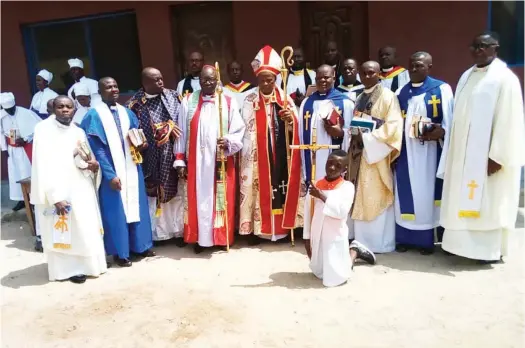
{"points": [[80, 113], [56, 177], [195, 84], [389, 76], [323, 138], [92, 86], [485, 237], [236, 91], [328, 234], [423, 163], [296, 81], [40, 99], [22, 123], [207, 135]]}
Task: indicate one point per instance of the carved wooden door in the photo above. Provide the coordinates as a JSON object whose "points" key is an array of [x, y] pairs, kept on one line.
{"points": [[204, 27], [342, 22]]}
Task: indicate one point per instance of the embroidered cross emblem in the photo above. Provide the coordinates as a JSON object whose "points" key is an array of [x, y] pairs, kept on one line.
{"points": [[283, 187], [274, 190], [61, 224], [472, 186], [306, 117], [434, 102]]}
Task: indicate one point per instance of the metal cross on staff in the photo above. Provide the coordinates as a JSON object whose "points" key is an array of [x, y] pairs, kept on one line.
{"points": [[313, 147]]}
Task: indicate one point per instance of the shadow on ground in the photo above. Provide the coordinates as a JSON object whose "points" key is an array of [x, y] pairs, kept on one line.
{"points": [[31, 276], [289, 280]]}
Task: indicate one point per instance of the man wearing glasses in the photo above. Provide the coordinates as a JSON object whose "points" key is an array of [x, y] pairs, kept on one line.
{"points": [[482, 175]]}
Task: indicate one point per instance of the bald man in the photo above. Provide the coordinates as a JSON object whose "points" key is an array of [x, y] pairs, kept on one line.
{"points": [[237, 88], [190, 83], [157, 109], [198, 163], [372, 151], [482, 173], [426, 104], [392, 75], [329, 112], [122, 194]]}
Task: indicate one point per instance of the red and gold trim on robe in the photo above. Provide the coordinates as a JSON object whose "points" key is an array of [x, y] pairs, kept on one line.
{"points": [[325, 185], [243, 86], [391, 74], [284, 218], [191, 226], [28, 148]]}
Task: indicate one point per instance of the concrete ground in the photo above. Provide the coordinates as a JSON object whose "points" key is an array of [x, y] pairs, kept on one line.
{"points": [[263, 297]]}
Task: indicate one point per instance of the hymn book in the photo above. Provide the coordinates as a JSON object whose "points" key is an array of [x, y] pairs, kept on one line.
{"points": [[137, 137]]}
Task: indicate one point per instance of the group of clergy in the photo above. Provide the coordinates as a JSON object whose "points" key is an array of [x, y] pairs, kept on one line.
{"points": [[363, 158]]}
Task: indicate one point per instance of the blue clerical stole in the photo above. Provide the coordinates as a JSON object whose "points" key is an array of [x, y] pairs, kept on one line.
{"points": [[308, 109], [434, 106]]}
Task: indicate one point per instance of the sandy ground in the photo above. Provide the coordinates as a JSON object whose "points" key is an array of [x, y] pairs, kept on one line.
{"points": [[263, 297]]}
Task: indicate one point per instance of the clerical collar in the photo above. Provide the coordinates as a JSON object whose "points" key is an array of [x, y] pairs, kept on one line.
{"points": [[236, 84], [111, 107], [150, 96], [371, 89], [60, 125], [387, 69], [482, 69], [419, 84]]}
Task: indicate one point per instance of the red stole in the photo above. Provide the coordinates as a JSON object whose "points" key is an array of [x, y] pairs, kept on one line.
{"points": [[28, 148], [191, 228], [265, 187]]}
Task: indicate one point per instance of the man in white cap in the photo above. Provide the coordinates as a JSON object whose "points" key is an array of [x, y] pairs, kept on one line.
{"points": [[76, 69], [82, 102], [44, 94], [17, 125], [270, 199]]}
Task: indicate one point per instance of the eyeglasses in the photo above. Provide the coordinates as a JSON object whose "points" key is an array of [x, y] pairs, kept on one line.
{"points": [[481, 45]]}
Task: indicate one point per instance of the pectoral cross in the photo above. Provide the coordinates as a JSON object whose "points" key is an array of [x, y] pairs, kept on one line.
{"points": [[306, 117], [61, 223], [434, 102], [283, 187], [274, 190], [472, 186]]}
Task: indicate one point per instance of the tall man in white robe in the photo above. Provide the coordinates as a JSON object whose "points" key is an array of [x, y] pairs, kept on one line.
{"points": [[64, 193], [209, 202], [76, 69], [44, 94], [486, 150], [191, 83], [17, 125], [392, 75], [426, 104], [318, 113], [299, 78], [370, 158]]}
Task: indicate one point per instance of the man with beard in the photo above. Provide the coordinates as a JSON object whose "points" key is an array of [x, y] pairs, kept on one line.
{"points": [[351, 86], [122, 193], [157, 109], [392, 76], [299, 78], [191, 83], [64, 193]]}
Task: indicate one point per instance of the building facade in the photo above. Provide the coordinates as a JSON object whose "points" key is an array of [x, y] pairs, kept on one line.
{"points": [[120, 38]]}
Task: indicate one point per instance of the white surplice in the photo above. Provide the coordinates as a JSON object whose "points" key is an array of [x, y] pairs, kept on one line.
{"points": [[423, 163], [80, 113], [296, 81], [170, 224], [18, 164], [328, 234], [238, 96], [57, 177], [207, 135], [485, 237], [40, 99], [92, 86], [403, 78], [323, 138], [195, 84]]}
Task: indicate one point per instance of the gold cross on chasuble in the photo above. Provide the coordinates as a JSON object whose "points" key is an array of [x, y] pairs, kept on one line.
{"points": [[306, 117], [472, 186], [434, 102]]}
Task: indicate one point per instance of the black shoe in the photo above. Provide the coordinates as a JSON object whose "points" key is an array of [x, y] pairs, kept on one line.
{"points": [[78, 279], [363, 252], [254, 240], [122, 262], [159, 243], [426, 251], [148, 253], [19, 206], [180, 242], [401, 248], [38, 246], [108, 264], [197, 249]]}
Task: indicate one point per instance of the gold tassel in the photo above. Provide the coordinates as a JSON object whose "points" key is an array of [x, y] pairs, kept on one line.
{"points": [[437, 203], [408, 217]]}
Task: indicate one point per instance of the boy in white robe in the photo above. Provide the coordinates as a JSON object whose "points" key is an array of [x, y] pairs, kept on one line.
{"points": [[64, 193], [326, 232]]}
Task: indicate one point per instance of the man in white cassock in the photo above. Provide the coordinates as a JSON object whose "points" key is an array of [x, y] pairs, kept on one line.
{"points": [[426, 104], [486, 151], [17, 125], [370, 158], [209, 206], [44, 94], [328, 113], [326, 232], [82, 102], [298, 79], [392, 75], [191, 83], [76, 70], [237, 88], [63, 189]]}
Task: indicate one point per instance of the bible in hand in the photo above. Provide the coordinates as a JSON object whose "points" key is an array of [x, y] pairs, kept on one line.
{"points": [[137, 137], [330, 113], [365, 125]]}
